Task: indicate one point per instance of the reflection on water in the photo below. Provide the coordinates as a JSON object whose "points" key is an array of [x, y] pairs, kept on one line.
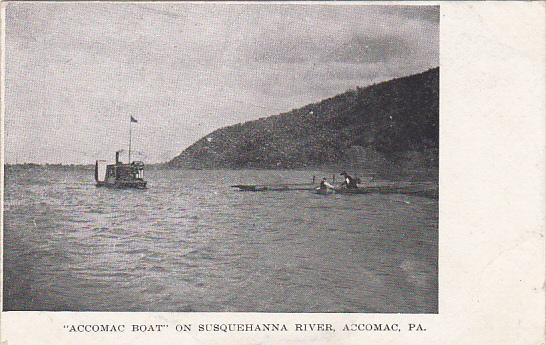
{"points": [[190, 243]]}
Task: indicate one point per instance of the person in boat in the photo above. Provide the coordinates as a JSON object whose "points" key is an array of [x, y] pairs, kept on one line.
{"points": [[324, 185], [349, 182]]}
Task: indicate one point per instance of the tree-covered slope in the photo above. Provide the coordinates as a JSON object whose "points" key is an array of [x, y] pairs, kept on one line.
{"points": [[387, 122]]}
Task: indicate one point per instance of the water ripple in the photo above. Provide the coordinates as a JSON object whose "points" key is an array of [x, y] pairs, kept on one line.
{"points": [[189, 243]]}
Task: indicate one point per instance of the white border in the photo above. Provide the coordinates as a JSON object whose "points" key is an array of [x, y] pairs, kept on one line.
{"points": [[492, 187]]}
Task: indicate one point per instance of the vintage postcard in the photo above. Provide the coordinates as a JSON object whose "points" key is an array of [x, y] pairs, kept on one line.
{"points": [[266, 173]]}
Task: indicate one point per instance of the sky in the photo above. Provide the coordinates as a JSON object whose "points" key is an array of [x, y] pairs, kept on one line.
{"points": [[76, 72]]}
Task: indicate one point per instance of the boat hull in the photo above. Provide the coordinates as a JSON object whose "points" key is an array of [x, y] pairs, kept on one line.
{"points": [[123, 184], [325, 191]]}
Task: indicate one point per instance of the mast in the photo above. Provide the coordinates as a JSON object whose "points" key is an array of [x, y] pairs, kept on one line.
{"points": [[130, 133]]}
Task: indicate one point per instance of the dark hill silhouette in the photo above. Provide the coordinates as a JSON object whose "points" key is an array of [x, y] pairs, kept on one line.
{"points": [[393, 122]]}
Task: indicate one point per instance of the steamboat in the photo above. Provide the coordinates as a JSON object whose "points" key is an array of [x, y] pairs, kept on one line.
{"points": [[119, 174]]}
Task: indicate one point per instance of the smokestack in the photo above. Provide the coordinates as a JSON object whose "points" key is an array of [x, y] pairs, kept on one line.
{"points": [[97, 171], [117, 157]]}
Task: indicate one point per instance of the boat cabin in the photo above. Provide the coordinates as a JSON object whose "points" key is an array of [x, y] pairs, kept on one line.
{"points": [[120, 175]]}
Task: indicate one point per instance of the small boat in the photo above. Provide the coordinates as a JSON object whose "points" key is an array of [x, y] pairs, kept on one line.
{"points": [[120, 175], [424, 189], [324, 191]]}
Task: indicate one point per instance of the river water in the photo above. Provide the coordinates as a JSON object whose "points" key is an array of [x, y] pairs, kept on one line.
{"points": [[191, 243]]}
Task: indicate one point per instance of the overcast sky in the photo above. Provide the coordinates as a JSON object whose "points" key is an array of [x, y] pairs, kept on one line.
{"points": [[76, 72]]}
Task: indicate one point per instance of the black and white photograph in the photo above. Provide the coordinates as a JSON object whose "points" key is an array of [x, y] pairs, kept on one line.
{"points": [[221, 157]]}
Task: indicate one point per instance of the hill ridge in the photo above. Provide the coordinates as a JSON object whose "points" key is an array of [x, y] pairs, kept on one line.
{"points": [[389, 122]]}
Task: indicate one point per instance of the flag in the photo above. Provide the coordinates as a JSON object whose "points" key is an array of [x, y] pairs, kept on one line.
{"points": [[133, 119]]}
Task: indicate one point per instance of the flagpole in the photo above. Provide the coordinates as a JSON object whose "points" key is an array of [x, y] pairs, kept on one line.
{"points": [[130, 126]]}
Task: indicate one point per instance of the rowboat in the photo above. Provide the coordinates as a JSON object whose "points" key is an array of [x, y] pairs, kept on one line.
{"points": [[324, 191]]}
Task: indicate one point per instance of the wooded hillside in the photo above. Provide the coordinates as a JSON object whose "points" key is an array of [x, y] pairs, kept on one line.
{"points": [[391, 122]]}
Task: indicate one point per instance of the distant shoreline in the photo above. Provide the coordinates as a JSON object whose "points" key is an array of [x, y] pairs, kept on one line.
{"points": [[428, 174]]}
